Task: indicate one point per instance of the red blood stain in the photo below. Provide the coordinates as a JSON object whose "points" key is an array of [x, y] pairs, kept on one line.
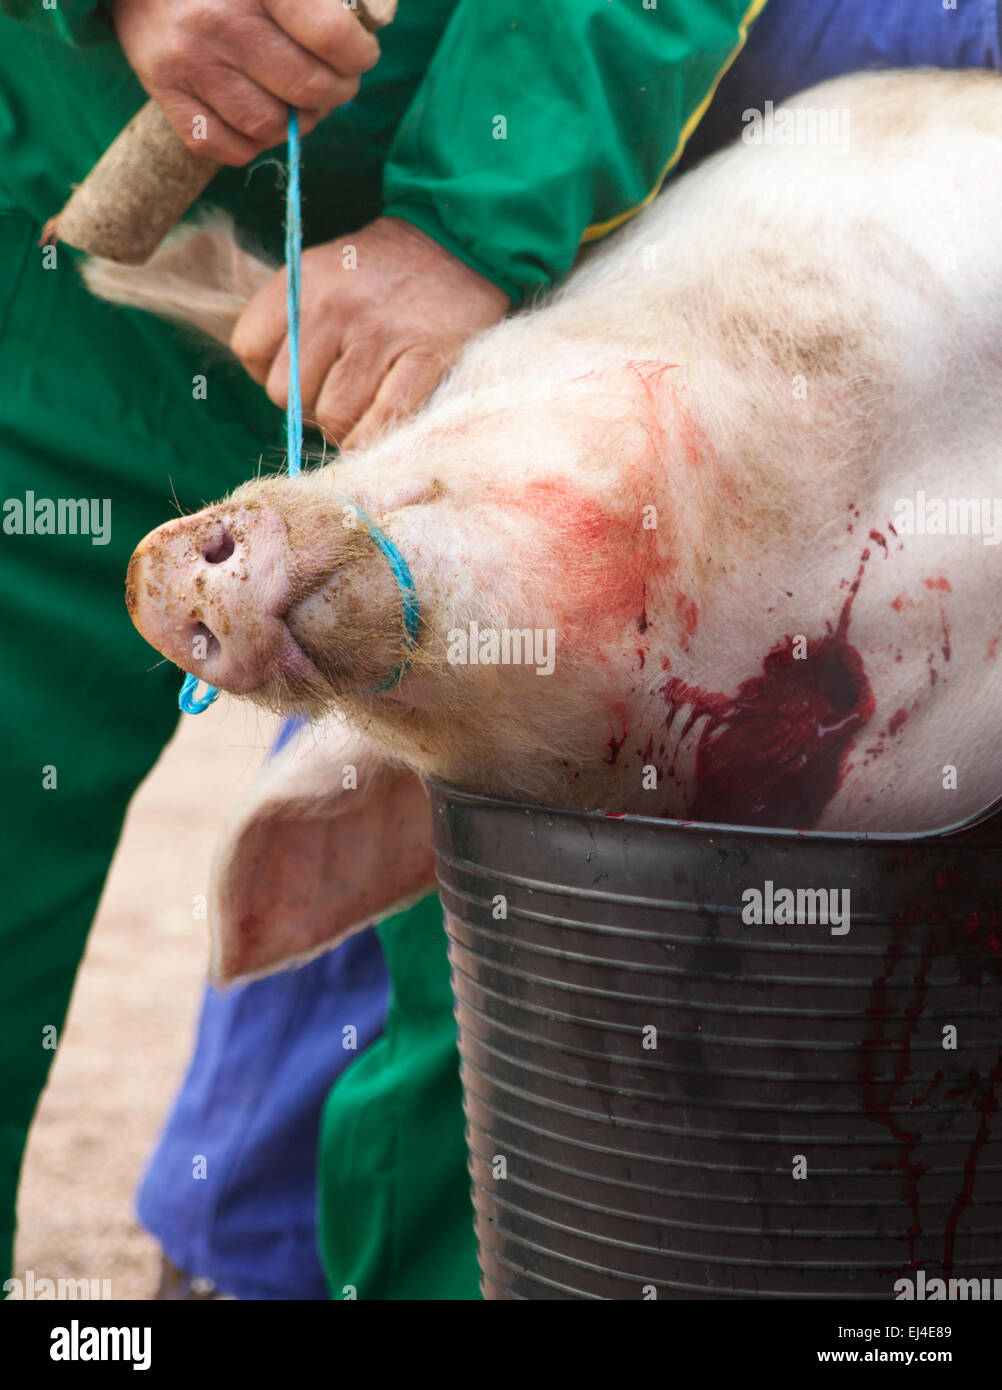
{"points": [[974, 930], [876, 536], [650, 373], [641, 657], [612, 749], [993, 647], [879, 1097], [688, 615], [897, 603], [897, 721], [891, 1032], [606, 556], [980, 935], [696, 448], [774, 754], [987, 1103], [942, 585]]}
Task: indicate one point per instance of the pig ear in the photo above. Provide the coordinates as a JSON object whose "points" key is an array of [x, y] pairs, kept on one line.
{"points": [[331, 838]]}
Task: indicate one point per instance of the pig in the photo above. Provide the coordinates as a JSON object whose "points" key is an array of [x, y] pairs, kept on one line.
{"points": [[688, 537]]}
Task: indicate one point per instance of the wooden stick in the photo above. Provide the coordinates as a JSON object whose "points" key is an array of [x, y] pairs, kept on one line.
{"points": [[147, 179]]}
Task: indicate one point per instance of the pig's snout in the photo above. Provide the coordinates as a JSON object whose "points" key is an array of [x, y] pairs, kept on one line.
{"points": [[210, 591], [281, 603]]}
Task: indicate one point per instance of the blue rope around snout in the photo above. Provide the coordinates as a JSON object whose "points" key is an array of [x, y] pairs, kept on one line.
{"points": [[189, 702], [408, 597]]}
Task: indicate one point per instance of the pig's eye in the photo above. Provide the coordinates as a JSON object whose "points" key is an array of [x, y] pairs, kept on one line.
{"points": [[219, 550]]}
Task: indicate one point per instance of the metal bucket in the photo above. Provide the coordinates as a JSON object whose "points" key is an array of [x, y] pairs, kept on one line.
{"points": [[665, 1100]]}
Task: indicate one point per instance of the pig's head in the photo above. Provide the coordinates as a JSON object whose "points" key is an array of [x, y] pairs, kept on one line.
{"points": [[521, 500], [536, 575]]}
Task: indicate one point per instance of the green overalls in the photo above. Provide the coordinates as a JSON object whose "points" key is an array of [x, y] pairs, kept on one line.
{"points": [[508, 130]]}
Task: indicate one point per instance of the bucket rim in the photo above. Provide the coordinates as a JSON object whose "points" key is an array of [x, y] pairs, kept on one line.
{"points": [[710, 828]]}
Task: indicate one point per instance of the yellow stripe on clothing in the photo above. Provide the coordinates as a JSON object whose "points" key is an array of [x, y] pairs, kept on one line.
{"points": [[600, 229]]}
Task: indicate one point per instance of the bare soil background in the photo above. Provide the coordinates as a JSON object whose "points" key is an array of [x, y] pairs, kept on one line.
{"points": [[131, 1023]]}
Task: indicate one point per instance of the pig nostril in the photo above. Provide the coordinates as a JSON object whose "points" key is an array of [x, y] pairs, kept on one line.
{"points": [[219, 550], [205, 643]]}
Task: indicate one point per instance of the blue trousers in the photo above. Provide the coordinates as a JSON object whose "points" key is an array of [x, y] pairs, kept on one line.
{"points": [[230, 1191], [797, 43]]}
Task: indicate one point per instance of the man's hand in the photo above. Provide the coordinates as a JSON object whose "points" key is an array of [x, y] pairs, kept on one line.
{"points": [[375, 338], [241, 64]]}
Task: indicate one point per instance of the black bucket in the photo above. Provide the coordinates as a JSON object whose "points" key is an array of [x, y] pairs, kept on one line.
{"points": [[664, 1100]]}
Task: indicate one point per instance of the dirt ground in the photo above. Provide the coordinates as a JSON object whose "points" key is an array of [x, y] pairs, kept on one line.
{"points": [[125, 1047]]}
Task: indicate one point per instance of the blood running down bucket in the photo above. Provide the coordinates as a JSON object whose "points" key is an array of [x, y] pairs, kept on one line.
{"points": [[706, 1061]]}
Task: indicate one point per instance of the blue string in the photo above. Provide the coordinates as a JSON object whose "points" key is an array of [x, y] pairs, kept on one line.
{"points": [[293, 268], [408, 597], [188, 701]]}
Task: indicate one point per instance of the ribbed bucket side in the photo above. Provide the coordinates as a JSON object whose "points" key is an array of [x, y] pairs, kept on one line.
{"points": [[664, 1100]]}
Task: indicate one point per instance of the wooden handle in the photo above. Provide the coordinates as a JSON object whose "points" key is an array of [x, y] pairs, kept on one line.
{"points": [[147, 179]]}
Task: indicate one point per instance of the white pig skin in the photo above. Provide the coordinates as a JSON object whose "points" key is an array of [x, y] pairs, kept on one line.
{"points": [[687, 466]]}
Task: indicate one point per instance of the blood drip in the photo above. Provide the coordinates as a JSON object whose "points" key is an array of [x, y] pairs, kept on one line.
{"points": [[774, 754], [878, 1103]]}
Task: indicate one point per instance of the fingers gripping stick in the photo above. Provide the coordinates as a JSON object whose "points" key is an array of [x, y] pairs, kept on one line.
{"points": [[147, 180]]}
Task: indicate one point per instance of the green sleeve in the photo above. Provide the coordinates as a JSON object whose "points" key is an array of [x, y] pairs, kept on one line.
{"points": [[75, 21], [539, 126]]}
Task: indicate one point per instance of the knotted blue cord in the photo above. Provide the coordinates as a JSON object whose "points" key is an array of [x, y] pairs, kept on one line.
{"points": [[187, 700]]}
